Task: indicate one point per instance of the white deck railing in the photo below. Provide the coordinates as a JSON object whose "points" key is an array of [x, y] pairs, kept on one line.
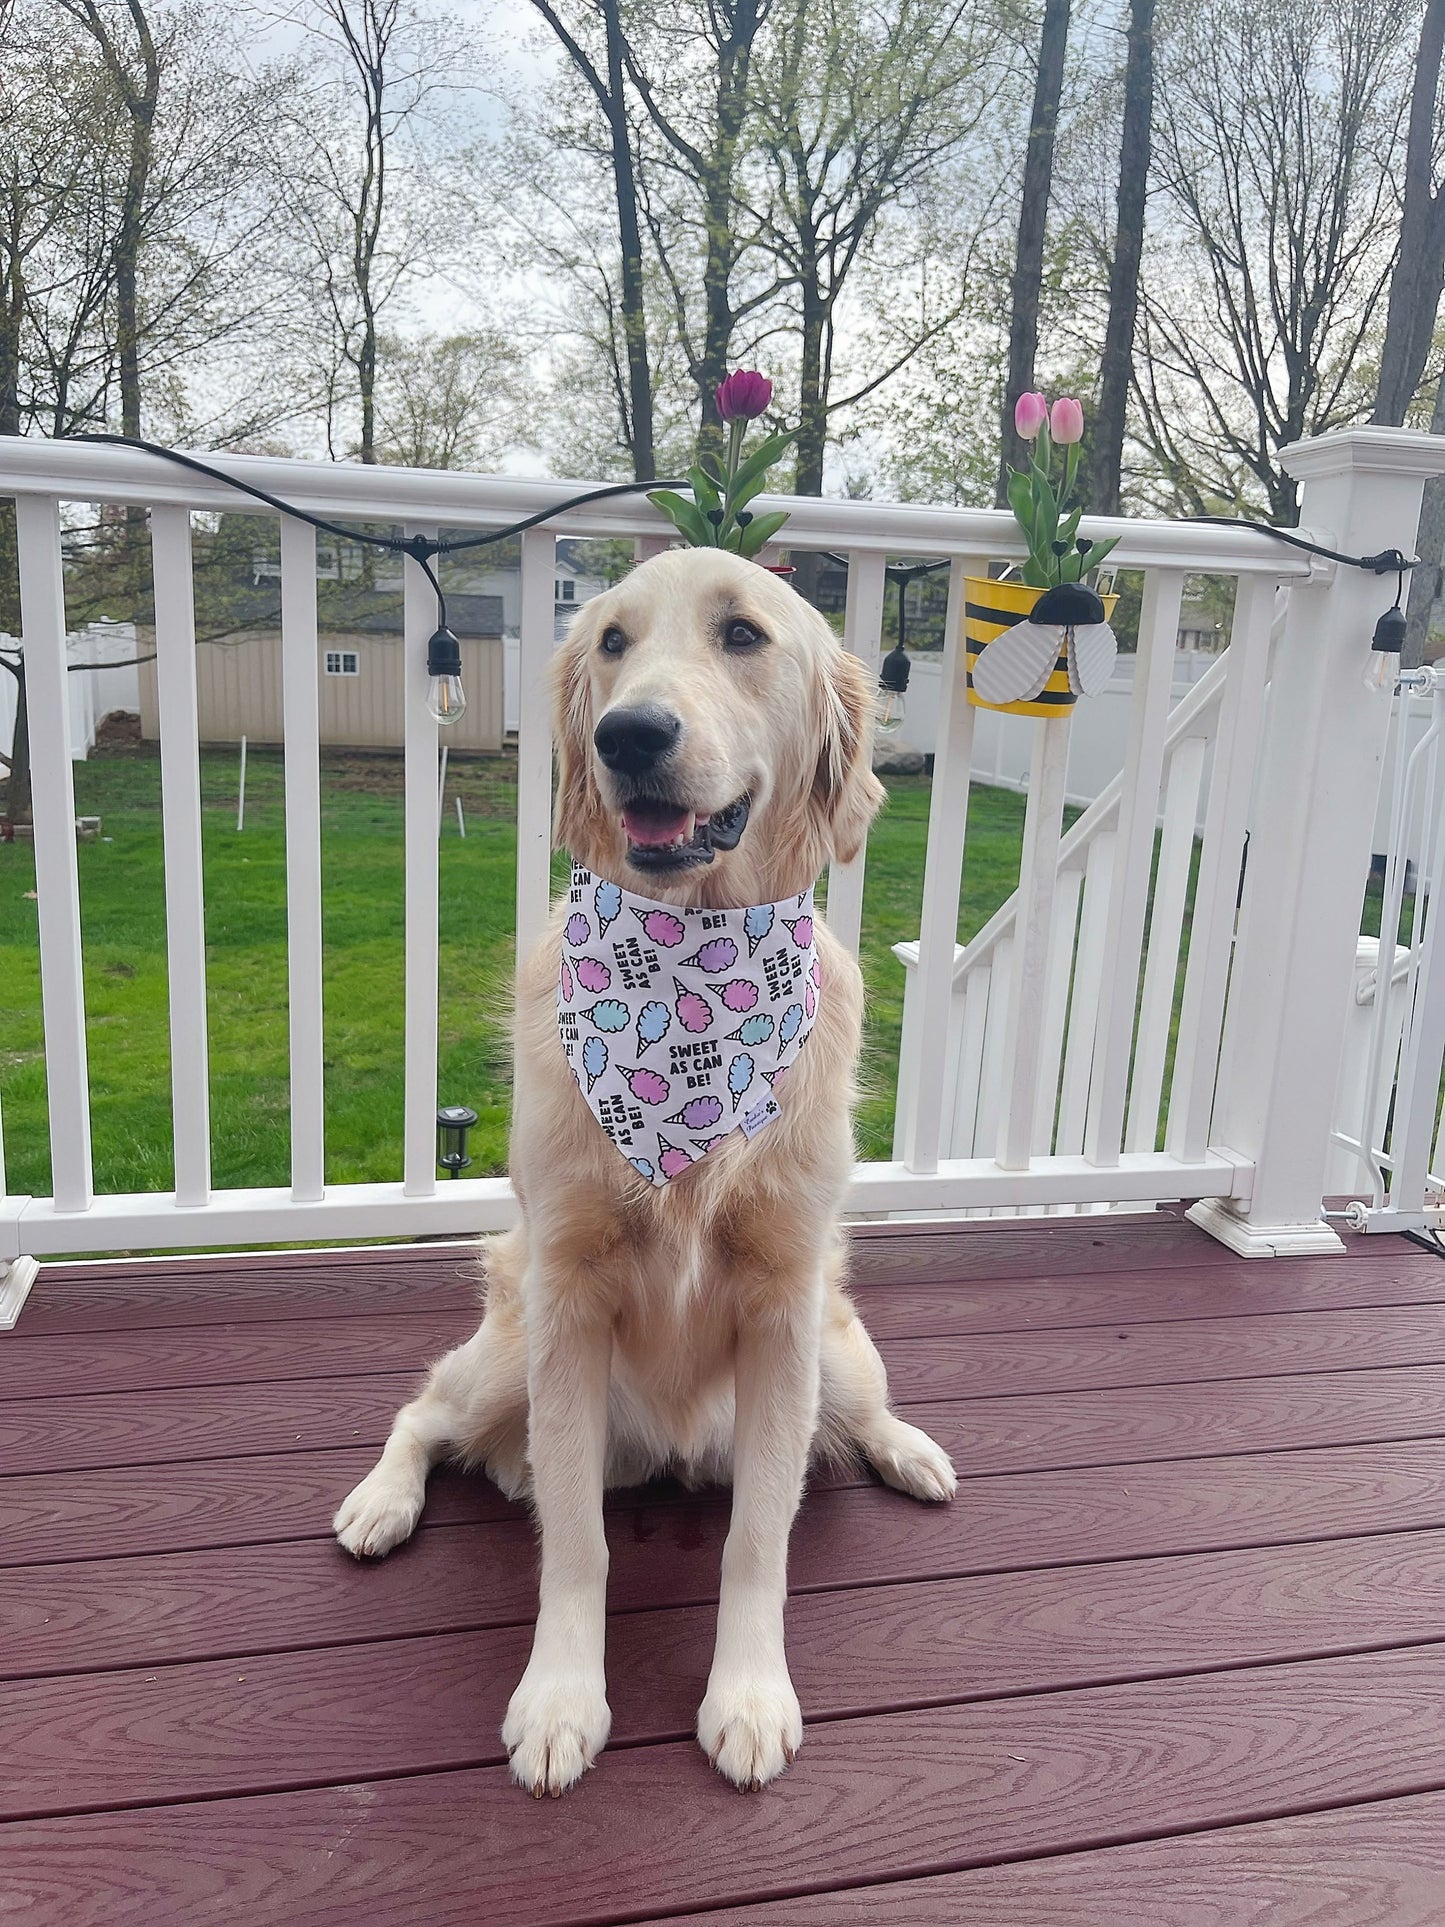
{"points": [[1092, 1142], [1389, 1121]]}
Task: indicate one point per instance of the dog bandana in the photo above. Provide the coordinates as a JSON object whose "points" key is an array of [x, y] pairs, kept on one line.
{"points": [[678, 1022]]}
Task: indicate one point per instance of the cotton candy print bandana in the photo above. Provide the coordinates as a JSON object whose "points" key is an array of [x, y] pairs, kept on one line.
{"points": [[678, 1022]]}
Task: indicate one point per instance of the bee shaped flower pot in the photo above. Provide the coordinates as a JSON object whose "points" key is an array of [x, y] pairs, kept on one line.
{"points": [[1029, 656]]}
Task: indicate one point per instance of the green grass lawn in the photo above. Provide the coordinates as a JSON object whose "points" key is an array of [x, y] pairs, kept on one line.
{"points": [[123, 910]]}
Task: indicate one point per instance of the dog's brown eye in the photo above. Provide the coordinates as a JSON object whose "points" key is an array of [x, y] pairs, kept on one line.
{"points": [[613, 642], [741, 634]]}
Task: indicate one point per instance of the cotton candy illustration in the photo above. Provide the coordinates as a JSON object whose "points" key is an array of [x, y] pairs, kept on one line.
{"points": [[753, 1030], [740, 1075], [662, 927], [674, 1159], [594, 1059], [685, 1018], [694, 1013], [653, 1021], [609, 1014], [648, 1086], [608, 905], [721, 953]]}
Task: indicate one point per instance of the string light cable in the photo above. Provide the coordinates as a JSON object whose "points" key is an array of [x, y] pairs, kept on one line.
{"points": [[444, 651], [444, 662]]}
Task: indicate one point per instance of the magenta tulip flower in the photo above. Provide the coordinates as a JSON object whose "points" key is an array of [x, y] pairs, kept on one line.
{"points": [[1030, 414], [1066, 421], [744, 395]]}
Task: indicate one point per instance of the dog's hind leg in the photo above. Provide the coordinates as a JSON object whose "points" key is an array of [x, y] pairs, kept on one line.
{"points": [[473, 1408], [854, 1416]]}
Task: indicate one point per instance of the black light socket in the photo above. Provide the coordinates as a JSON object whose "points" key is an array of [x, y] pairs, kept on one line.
{"points": [[895, 669], [443, 654]]}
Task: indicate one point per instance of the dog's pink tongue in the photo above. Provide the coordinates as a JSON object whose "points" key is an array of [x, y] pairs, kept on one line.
{"points": [[655, 829]]}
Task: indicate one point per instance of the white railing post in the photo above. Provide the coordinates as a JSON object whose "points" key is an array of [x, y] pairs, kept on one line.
{"points": [[1310, 847]]}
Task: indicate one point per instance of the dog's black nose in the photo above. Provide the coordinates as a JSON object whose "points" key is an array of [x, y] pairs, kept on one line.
{"points": [[633, 741]]}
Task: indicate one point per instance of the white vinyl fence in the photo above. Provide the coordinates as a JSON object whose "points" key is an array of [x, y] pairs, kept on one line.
{"points": [[1080, 1096]]}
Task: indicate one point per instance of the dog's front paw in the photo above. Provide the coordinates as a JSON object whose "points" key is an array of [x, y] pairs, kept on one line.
{"points": [[556, 1725], [750, 1728], [378, 1514], [908, 1460]]}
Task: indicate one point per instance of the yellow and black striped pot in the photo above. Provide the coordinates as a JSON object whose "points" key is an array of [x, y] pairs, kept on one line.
{"points": [[991, 607]]}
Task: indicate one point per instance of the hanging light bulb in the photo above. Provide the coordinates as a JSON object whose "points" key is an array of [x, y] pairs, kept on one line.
{"points": [[445, 697], [1382, 666], [893, 691]]}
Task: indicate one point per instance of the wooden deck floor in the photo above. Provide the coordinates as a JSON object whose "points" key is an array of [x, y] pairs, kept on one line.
{"points": [[1175, 1657]]}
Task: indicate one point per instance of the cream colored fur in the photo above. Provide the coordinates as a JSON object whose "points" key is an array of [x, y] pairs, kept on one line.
{"points": [[701, 1328]]}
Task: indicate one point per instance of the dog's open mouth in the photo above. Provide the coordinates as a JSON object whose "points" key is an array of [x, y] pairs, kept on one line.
{"points": [[662, 835]]}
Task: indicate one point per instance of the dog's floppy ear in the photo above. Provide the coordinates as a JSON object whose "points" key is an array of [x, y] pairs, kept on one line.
{"points": [[845, 790], [578, 812]]}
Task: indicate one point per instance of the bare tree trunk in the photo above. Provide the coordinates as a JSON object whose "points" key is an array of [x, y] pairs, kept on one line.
{"points": [[638, 426], [1425, 582], [634, 317], [139, 95], [1420, 264], [1028, 274], [1117, 371], [734, 68]]}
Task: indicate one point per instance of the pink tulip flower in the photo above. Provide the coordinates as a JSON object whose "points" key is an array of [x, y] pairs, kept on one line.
{"points": [[1066, 421], [744, 395], [1030, 414]]}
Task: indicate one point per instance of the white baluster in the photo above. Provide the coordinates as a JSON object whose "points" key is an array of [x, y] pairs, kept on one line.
{"points": [[534, 738], [301, 709], [419, 619], [1138, 810], [181, 827], [62, 991], [1033, 924], [1087, 992], [1211, 939], [862, 637], [1166, 924], [942, 882]]}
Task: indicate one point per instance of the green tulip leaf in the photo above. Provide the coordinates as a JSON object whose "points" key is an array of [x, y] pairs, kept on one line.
{"points": [[761, 460], [759, 531], [704, 490], [685, 517]]}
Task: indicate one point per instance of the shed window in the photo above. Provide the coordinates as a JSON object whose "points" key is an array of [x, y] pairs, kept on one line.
{"points": [[342, 662]]}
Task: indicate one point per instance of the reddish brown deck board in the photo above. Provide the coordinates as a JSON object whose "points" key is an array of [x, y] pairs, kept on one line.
{"points": [[436, 1701], [1373, 1866], [891, 1796], [1009, 1434], [1038, 1518], [1195, 1578], [121, 1297], [984, 1364], [132, 1610]]}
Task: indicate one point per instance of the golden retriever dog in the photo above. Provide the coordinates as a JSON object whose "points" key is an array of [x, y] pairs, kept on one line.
{"points": [[715, 750]]}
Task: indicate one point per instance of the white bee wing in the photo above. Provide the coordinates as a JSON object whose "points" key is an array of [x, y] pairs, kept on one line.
{"points": [[1092, 650], [1015, 666]]}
